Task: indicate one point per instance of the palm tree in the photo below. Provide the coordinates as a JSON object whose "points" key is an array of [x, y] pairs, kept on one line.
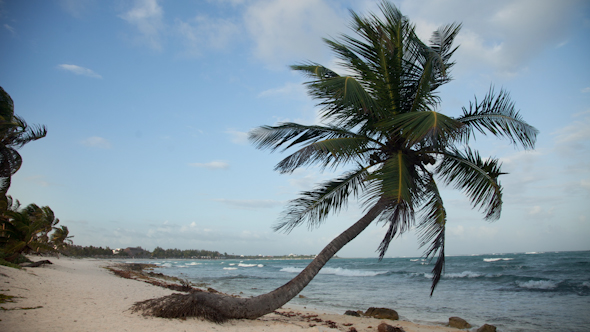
{"points": [[25, 231], [47, 219], [60, 238], [382, 121], [14, 133]]}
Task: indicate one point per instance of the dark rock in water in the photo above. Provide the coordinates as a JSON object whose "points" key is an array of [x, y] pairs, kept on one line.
{"points": [[458, 323], [487, 328], [352, 313], [383, 327], [382, 313]]}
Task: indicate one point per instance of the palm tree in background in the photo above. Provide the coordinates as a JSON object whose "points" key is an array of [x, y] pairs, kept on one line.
{"points": [[60, 238], [382, 122], [14, 133]]}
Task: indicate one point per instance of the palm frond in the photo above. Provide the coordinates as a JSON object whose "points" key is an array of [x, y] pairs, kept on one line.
{"points": [[476, 177], [432, 230], [313, 207], [289, 134], [422, 99], [10, 161], [497, 115], [17, 132], [342, 98], [329, 152], [396, 176], [315, 71], [344, 92], [441, 43], [6, 108], [400, 218], [433, 127]]}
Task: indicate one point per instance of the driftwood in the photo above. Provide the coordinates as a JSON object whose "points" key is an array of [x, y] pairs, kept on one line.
{"points": [[36, 264]]}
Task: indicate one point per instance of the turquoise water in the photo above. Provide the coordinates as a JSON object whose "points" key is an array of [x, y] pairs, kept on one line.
{"points": [[515, 292]]}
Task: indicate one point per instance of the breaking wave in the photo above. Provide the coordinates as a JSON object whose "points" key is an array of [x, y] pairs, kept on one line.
{"points": [[497, 259], [338, 271], [538, 284], [250, 265]]}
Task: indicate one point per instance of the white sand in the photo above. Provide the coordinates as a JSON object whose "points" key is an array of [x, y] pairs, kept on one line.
{"points": [[80, 295]]}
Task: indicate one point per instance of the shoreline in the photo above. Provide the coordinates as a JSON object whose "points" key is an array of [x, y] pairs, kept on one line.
{"points": [[83, 295]]}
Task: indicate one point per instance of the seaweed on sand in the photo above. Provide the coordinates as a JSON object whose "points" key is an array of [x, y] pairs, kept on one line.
{"points": [[179, 306]]}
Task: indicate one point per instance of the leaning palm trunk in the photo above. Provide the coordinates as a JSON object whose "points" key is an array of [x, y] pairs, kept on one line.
{"points": [[219, 307]]}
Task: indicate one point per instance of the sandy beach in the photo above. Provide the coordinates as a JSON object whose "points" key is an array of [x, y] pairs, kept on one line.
{"points": [[82, 295]]}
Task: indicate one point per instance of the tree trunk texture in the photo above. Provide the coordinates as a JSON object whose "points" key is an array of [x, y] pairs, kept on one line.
{"points": [[218, 307]]}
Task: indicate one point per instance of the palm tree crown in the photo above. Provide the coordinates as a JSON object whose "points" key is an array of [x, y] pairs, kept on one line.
{"points": [[26, 230], [382, 121], [14, 133]]}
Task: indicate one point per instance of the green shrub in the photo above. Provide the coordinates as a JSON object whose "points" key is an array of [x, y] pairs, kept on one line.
{"points": [[9, 264]]}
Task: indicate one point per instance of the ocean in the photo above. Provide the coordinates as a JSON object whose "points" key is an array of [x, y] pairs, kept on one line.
{"points": [[522, 292]]}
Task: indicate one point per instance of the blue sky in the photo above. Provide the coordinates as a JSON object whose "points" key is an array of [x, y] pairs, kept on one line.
{"points": [[148, 104]]}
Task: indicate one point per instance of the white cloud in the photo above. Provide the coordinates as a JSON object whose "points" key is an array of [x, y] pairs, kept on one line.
{"points": [[501, 34], [251, 203], [146, 16], [216, 164], [238, 137], [203, 32], [586, 90], [79, 70], [97, 142], [286, 30]]}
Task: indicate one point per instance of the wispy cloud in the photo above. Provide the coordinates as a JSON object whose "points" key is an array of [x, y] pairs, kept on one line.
{"points": [[97, 142], [586, 90], [39, 180], [79, 70], [238, 137], [576, 132], [291, 90], [9, 28], [76, 8], [203, 32], [216, 164], [146, 16], [251, 203]]}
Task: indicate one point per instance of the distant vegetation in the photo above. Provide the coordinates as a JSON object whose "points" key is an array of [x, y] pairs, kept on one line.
{"points": [[160, 253], [90, 251], [191, 253]]}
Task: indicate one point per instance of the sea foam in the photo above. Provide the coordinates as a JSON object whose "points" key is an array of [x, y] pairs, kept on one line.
{"points": [[464, 274], [537, 284], [338, 271], [497, 259]]}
